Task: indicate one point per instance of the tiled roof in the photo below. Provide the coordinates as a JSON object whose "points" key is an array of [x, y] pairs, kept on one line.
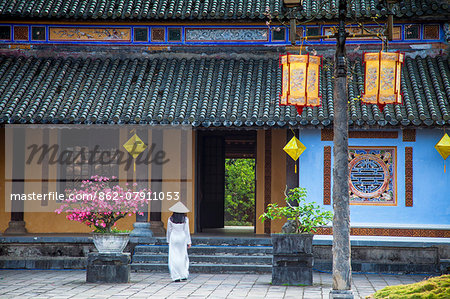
{"points": [[201, 91], [313, 9], [141, 9], [207, 9]]}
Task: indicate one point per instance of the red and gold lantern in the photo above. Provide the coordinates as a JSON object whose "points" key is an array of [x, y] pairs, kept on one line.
{"points": [[300, 81], [382, 78]]}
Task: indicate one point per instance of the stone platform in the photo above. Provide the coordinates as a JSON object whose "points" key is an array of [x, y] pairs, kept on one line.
{"points": [[72, 284], [369, 254]]}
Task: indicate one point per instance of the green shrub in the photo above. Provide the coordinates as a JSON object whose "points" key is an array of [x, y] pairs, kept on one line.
{"points": [[433, 288], [240, 191], [306, 216]]}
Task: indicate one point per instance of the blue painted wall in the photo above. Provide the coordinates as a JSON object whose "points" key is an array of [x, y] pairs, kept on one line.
{"points": [[431, 194]]}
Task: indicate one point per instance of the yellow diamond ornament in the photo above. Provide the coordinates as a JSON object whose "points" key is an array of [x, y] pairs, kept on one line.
{"points": [[294, 148], [443, 147], [135, 146]]}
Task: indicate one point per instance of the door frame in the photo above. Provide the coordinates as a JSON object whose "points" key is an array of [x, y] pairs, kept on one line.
{"points": [[226, 134]]}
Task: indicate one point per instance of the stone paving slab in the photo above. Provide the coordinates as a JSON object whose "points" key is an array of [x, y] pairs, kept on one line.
{"points": [[72, 284]]}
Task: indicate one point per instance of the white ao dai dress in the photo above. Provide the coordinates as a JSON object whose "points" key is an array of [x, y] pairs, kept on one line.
{"points": [[178, 237]]}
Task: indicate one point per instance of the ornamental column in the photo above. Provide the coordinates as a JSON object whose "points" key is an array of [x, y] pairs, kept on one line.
{"points": [[156, 224], [141, 228], [16, 225]]}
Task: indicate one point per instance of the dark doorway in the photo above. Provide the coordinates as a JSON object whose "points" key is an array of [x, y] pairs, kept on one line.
{"points": [[213, 148], [212, 180]]}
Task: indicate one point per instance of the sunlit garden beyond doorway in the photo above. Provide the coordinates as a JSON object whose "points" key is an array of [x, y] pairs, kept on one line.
{"points": [[240, 194]]}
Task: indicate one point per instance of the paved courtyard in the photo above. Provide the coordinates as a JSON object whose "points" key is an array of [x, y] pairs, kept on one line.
{"points": [[71, 284]]}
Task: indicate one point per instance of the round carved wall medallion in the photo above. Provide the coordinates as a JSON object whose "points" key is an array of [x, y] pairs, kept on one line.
{"points": [[369, 176]]}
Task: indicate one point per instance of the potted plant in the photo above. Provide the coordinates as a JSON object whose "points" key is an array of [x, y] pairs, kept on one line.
{"points": [[99, 203], [292, 249]]}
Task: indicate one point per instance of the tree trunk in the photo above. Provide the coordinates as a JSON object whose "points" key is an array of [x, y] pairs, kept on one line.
{"points": [[341, 219], [342, 273]]}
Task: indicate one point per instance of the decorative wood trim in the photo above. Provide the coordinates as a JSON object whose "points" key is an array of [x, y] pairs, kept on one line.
{"points": [[408, 176], [183, 167], [409, 135], [373, 134], [156, 172], [327, 134], [327, 175], [390, 232], [267, 175], [291, 176], [141, 178]]}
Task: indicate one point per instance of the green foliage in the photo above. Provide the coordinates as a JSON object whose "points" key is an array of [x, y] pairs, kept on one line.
{"points": [[307, 216], [240, 191], [237, 223], [436, 287]]}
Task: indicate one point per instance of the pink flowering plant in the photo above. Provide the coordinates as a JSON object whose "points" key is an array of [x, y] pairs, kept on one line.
{"points": [[100, 202]]}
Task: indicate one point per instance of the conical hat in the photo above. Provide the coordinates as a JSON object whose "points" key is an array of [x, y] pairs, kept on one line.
{"points": [[179, 207]]}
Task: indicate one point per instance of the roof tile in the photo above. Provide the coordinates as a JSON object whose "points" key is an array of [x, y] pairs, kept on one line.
{"points": [[201, 91]]}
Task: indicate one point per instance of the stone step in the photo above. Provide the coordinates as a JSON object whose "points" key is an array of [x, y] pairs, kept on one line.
{"points": [[444, 266], [43, 262], [205, 268], [208, 259], [216, 241], [207, 250]]}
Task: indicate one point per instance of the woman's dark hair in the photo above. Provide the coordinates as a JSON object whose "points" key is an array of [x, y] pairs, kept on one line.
{"points": [[178, 217]]}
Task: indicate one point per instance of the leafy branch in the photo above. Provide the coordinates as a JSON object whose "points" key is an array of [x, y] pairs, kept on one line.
{"points": [[306, 216]]}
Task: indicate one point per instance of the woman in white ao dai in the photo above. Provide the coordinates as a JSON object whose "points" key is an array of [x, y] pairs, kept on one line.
{"points": [[179, 240]]}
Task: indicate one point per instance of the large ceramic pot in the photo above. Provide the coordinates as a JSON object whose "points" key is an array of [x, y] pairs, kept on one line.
{"points": [[110, 243], [292, 259]]}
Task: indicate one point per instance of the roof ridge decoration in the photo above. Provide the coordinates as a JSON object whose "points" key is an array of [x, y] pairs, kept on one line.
{"points": [[217, 91], [140, 10]]}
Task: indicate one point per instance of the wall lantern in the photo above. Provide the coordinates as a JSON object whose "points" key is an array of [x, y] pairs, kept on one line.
{"points": [[383, 77], [443, 147], [300, 81]]}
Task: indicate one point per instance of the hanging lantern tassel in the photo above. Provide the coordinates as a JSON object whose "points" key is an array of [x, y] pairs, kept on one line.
{"points": [[443, 147], [294, 148]]}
